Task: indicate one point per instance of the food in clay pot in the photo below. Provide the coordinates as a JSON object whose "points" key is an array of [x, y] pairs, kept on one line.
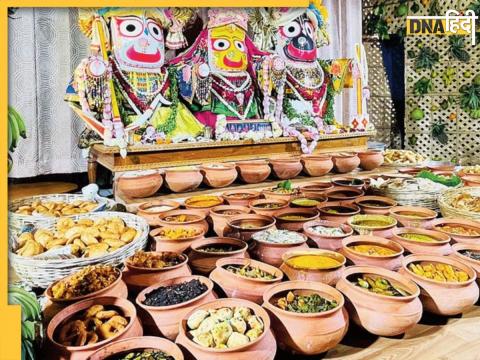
{"points": [[176, 239], [337, 211], [460, 230], [469, 254], [370, 160], [344, 194], [240, 197], [355, 183], [268, 207], [413, 216], [286, 168], [308, 202], [254, 171], [220, 216], [139, 184], [308, 317], [245, 278], [282, 191], [168, 301], [375, 205], [203, 203], [219, 175], [317, 165], [377, 225], [316, 188], [228, 329], [152, 209], [244, 226], [293, 219], [327, 234], [180, 218], [421, 241], [345, 162]]}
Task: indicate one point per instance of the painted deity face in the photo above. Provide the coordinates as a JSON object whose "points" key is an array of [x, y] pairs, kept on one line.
{"points": [[296, 40], [137, 43], [227, 49]]}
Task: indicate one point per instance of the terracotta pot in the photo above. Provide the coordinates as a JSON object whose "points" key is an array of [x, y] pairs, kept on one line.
{"points": [[269, 194], [317, 165], [254, 205], [263, 348], [474, 264], [414, 170], [178, 245], [121, 347], [347, 211], [203, 262], [140, 184], [241, 287], [439, 297], [293, 224], [167, 318], [349, 182], [319, 199], [370, 160], [271, 253], [254, 171], [220, 219], [345, 194], [345, 162], [471, 180], [58, 351], [316, 189], [219, 175], [286, 168], [194, 217], [235, 226], [440, 166], [311, 333], [439, 247], [327, 242], [384, 230], [383, 208], [426, 215], [380, 314], [183, 179], [205, 209], [328, 276], [151, 210], [240, 197], [390, 262], [139, 278], [464, 239]]}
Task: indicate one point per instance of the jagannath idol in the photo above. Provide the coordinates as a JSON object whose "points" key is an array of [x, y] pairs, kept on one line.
{"points": [[124, 86]]}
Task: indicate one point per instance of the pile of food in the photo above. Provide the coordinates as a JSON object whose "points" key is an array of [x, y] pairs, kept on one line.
{"points": [[439, 272], [305, 304], [155, 260], [372, 250], [224, 328], [92, 325], [86, 281], [87, 237], [305, 202], [418, 237], [475, 255], [378, 285], [203, 201], [239, 196], [458, 230], [57, 208], [218, 248], [179, 233], [249, 271], [275, 236], [466, 202], [313, 262], [326, 230], [175, 294], [402, 157], [471, 170], [143, 355], [372, 221]]}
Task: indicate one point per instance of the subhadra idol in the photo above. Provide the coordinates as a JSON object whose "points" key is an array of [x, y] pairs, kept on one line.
{"points": [[124, 86]]}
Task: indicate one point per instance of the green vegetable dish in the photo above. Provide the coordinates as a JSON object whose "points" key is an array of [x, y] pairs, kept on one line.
{"points": [[143, 355], [305, 304], [377, 285], [249, 272]]}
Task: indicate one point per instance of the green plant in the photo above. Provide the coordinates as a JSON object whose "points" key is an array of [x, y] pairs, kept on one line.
{"points": [[377, 24], [438, 132], [422, 86], [470, 99], [426, 58], [448, 75], [16, 129], [457, 48]]}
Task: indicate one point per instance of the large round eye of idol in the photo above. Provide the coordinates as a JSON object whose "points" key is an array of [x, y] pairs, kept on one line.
{"points": [[130, 27], [291, 29], [221, 44], [155, 30], [239, 45]]}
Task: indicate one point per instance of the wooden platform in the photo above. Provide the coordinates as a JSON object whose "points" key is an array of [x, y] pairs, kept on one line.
{"points": [[17, 191]]}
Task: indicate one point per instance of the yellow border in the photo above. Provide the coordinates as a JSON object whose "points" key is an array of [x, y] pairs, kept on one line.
{"points": [[10, 315]]}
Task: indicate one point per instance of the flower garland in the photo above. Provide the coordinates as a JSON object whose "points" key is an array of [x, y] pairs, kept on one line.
{"points": [[311, 131]]}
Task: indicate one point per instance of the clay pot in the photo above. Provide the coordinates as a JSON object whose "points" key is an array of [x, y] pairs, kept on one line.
{"points": [[151, 210], [286, 168], [471, 180], [270, 194], [317, 165], [390, 262], [474, 264], [175, 245], [327, 242], [204, 262], [327, 276], [440, 166], [56, 350], [254, 205], [344, 194], [425, 215], [183, 179], [410, 170], [236, 225], [167, 318], [443, 298], [384, 230], [254, 171], [193, 217], [140, 184], [219, 175], [464, 239], [383, 208], [240, 197], [370, 160], [139, 278], [380, 314], [295, 224], [345, 211], [262, 348], [121, 347], [310, 333], [439, 247], [242, 287], [345, 162], [349, 182], [272, 253], [204, 209], [316, 189], [220, 219], [319, 199]]}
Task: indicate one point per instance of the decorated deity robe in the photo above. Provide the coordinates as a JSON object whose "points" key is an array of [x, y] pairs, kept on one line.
{"points": [[124, 88]]}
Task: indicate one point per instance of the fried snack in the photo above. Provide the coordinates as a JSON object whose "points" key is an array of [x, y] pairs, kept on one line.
{"points": [[439, 272], [57, 208], [177, 233], [152, 260], [471, 170], [402, 157], [466, 202]]}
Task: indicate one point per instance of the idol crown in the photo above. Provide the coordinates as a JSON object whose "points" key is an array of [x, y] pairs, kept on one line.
{"points": [[221, 17]]}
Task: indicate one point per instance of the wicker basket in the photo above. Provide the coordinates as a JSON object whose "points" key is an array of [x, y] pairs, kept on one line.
{"points": [[41, 272], [16, 222], [446, 197]]}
